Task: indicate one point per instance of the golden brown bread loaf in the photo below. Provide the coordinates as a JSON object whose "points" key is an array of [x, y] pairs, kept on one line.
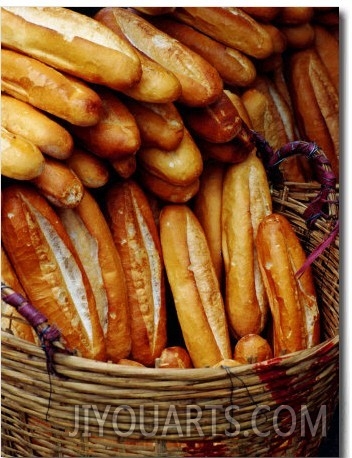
{"points": [[165, 190], [59, 184], [72, 42], [160, 124], [194, 286], [116, 133], [200, 82], [207, 208], [315, 102], [293, 302], [11, 320], [91, 236], [23, 119], [299, 36], [218, 122], [251, 349], [20, 158], [137, 240], [231, 26], [125, 166], [327, 47], [49, 90], [234, 67], [50, 270], [181, 166], [246, 201], [93, 171]]}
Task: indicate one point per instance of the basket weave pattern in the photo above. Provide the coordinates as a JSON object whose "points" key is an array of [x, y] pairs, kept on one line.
{"points": [[193, 412]]}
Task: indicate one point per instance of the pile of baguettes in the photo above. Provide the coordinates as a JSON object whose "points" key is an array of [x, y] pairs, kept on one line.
{"points": [[133, 201]]}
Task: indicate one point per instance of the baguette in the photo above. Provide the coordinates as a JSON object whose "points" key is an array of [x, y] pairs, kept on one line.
{"points": [[116, 133], [234, 67], [180, 166], [20, 158], [327, 47], [59, 184], [49, 269], [299, 36], [166, 191], [137, 240], [218, 122], [91, 236], [231, 26], [49, 90], [73, 43], [246, 200], [315, 102], [160, 124], [207, 208], [11, 319], [125, 166], [92, 171], [194, 286], [200, 82], [23, 119], [292, 300]]}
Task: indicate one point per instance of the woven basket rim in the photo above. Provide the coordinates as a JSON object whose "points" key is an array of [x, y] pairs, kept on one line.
{"points": [[108, 368]]}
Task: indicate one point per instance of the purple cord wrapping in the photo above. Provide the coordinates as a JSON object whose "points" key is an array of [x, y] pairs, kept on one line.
{"points": [[48, 334]]}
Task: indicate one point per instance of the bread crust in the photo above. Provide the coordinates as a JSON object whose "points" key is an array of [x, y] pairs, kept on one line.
{"points": [[50, 270], [194, 285]]}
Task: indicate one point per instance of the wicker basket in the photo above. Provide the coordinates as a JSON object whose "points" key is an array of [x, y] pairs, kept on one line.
{"points": [[282, 407]]}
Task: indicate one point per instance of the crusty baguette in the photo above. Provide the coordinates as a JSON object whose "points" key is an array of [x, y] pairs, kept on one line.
{"points": [[116, 133], [234, 67], [93, 171], [315, 102], [218, 122], [59, 184], [327, 47], [194, 286], [237, 101], [49, 90], [165, 190], [20, 158], [200, 82], [180, 166], [292, 300], [207, 208], [160, 124], [157, 83], [231, 26], [91, 236], [231, 152], [48, 135], [299, 36], [137, 240], [72, 42], [125, 166], [11, 320], [49, 269], [246, 201]]}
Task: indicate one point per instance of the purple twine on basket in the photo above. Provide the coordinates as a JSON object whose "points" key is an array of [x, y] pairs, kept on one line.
{"points": [[49, 335]]}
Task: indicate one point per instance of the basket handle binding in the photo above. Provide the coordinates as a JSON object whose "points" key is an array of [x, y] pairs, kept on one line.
{"points": [[49, 335]]}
